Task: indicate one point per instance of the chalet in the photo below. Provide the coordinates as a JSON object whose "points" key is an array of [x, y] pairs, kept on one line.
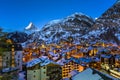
{"points": [[92, 50], [117, 61], [69, 66], [33, 69], [43, 69], [107, 59], [50, 71]]}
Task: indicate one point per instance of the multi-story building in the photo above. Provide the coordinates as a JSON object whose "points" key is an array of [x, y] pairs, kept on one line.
{"points": [[6, 59], [33, 69], [107, 59], [51, 71], [43, 69], [95, 63], [5, 56], [70, 66], [11, 57], [6, 63], [18, 55], [117, 61], [92, 51]]}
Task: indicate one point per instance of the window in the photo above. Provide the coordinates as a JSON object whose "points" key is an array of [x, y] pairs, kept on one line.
{"points": [[44, 72], [34, 76], [18, 64], [19, 56], [6, 57], [44, 67], [15, 53]]}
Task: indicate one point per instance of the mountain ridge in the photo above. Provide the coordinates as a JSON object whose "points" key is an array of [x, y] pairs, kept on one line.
{"points": [[81, 28]]}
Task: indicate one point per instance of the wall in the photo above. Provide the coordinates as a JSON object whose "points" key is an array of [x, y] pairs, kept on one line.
{"points": [[33, 74], [7, 59]]}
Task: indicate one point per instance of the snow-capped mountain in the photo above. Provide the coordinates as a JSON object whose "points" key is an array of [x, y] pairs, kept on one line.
{"points": [[107, 26], [74, 26], [82, 28], [31, 27], [33, 32]]}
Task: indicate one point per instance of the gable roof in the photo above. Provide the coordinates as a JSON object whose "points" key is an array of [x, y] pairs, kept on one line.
{"points": [[92, 74]]}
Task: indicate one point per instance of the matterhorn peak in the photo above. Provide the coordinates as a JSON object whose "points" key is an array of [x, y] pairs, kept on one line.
{"points": [[31, 26]]}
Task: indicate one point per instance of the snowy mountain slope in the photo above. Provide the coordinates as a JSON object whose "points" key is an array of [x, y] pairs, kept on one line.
{"points": [[74, 25], [107, 26], [82, 28], [17, 37]]}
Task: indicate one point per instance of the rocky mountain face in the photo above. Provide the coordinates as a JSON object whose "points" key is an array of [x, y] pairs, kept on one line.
{"points": [[17, 37], [80, 27], [75, 25], [107, 26]]}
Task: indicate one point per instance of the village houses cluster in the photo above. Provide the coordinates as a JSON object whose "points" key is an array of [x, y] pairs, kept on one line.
{"points": [[60, 61]]}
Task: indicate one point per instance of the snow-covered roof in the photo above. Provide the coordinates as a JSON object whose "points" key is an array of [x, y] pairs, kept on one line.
{"points": [[73, 73], [106, 55], [42, 61], [96, 59], [89, 76], [9, 69], [46, 62], [92, 74], [61, 61], [33, 62], [85, 60], [90, 48], [117, 57]]}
